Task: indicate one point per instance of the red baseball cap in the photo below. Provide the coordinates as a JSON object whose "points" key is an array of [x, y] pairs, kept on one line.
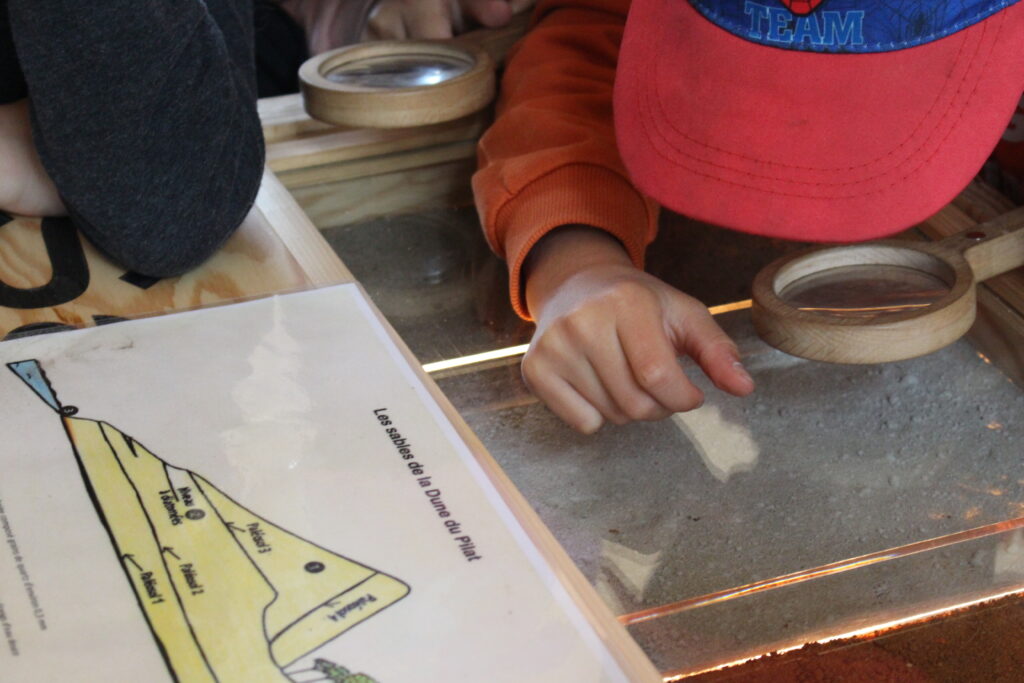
{"points": [[816, 120]]}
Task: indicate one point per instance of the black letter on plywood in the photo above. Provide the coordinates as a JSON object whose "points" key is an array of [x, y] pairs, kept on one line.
{"points": [[70, 271]]}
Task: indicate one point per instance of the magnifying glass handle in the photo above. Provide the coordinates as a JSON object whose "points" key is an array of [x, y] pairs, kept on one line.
{"points": [[994, 247]]}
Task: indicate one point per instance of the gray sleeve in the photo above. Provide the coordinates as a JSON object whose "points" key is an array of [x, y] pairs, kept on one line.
{"points": [[12, 83], [144, 114]]}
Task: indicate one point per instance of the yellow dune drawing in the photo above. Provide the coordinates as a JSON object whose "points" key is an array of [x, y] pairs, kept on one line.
{"points": [[228, 595]]}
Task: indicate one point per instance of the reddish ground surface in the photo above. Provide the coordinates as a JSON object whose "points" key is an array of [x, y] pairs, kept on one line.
{"points": [[981, 644]]}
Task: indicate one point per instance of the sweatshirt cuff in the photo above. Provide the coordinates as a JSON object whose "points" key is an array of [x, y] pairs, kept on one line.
{"points": [[573, 195]]}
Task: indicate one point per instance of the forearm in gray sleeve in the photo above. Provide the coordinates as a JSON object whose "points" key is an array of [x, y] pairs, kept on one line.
{"points": [[12, 84], [144, 114]]}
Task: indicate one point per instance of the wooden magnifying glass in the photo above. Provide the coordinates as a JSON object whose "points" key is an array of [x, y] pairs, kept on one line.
{"points": [[882, 301], [397, 84]]}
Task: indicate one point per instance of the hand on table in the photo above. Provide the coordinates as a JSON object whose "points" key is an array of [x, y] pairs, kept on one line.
{"points": [[608, 336], [25, 187], [437, 19]]}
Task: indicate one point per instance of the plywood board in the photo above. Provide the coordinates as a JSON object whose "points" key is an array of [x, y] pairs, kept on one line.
{"points": [[276, 249]]}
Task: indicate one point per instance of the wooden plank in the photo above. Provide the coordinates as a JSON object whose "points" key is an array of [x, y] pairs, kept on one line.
{"points": [[362, 199], [350, 176], [346, 145], [379, 165], [982, 202], [276, 249], [285, 118]]}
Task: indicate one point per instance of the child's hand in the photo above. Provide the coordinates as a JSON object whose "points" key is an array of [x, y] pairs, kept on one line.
{"points": [[25, 186], [608, 336], [437, 19]]}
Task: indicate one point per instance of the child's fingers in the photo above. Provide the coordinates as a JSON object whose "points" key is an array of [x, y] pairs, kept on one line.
{"points": [[625, 322], [563, 400], [490, 13], [588, 385], [428, 19], [559, 353], [521, 5], [612, 369], [722, 364], [654, 364], [613, 336], [700, 337], [385, 22]]}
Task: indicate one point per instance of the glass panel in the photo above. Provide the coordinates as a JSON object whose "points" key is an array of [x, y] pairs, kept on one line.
{"points": [[863, 601], [822, 464], [435, 280]]}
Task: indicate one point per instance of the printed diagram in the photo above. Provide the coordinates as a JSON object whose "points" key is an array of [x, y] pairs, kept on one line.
{"points": [[228, 595]]}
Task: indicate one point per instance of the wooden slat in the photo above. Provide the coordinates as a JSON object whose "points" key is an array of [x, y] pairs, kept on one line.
{"points": [[982, 202], [998, 333], [284, 118], [379, 165], [390, 194], [343, 146]]}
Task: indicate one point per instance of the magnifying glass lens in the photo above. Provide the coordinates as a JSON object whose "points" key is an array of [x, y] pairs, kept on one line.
{"points": [[865, 291], [399, 71]]}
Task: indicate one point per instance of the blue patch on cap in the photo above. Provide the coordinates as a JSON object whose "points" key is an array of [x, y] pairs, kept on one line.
{"points": [[846, 25]]}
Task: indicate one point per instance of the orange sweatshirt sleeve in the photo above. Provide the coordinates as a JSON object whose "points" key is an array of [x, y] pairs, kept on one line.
{"points": [[550, 158]]}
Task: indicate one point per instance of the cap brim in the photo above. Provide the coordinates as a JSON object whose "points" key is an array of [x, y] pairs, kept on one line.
{"points": [[804, 145]]}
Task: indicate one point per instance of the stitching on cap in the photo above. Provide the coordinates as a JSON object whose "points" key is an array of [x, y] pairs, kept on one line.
{"points": [[894, 151], [669, 144], [881, 190]]}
